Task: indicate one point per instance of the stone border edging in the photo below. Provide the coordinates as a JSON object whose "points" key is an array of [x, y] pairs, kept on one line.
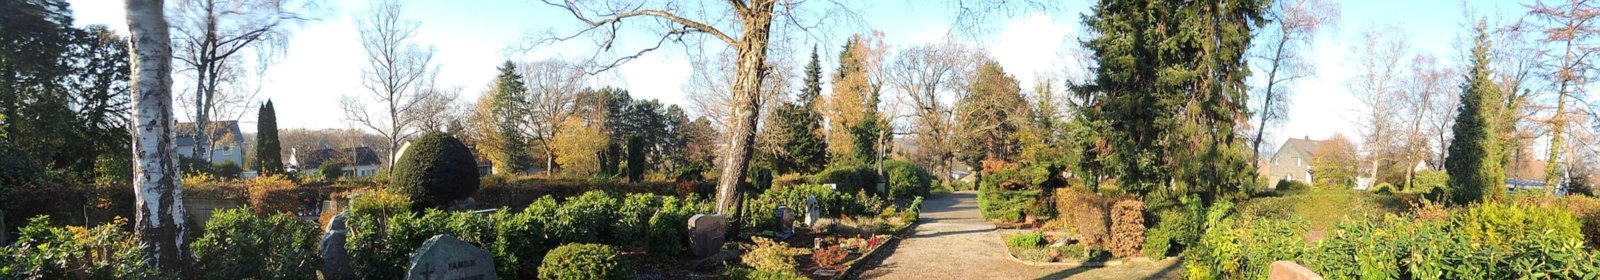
{"points": [[1111, 263], [894, 240]]}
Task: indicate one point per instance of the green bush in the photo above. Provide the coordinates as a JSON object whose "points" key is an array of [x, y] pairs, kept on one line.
{"points": [[586, 219], [1006, 196], [237, 244], [849, 178], [760, 177], [759, 211], [668, 235], [1031, 240], [582, 261], [227, 169], [42, 251], [1291, 186], [740, 273], [907, 180], [772, 256], [436, 170], [633, 220], [1489, 241], [330, 171], [1383, 188]]}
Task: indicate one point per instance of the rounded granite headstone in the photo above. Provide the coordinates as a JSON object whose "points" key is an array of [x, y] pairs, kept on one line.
{"points": [[707, 234], [444, 257]]}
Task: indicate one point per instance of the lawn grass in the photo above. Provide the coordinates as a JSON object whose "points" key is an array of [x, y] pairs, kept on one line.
{"points": [[1323, 207]]}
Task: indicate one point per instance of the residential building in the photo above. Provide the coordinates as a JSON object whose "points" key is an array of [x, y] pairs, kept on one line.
{"points": [[226, 142], [358, 162], [1292, 161]]}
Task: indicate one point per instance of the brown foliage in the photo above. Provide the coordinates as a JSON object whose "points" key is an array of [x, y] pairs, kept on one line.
{"points": [[829, 257], [1085, 212], [273, 194], [1127, 228]]}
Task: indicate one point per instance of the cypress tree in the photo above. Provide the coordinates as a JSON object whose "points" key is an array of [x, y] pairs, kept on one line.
{"points": [[1475, 164], [269, 159], [508, 87]]}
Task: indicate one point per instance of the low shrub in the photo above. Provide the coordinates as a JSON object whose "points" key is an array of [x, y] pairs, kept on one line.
{"points": [[1290, 186], [772, 256], [1127, 228], [1031, 240], [760, 210], [238, 244], [741, 273], [584, 262], [787, 180], [586, 219], [42, 251], [1087, 213], [274, 194], [907, 180], [1006, 196], [848, 178], [1492, 241], [227, 170], [829, 257], [1383, 188], [633, 219]]}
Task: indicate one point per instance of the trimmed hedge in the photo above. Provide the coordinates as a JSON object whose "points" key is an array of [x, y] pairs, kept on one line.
{"points": [[849, 178], [275, 194], [518, 192], [436, 170], [1007, 195], [584, 261]]}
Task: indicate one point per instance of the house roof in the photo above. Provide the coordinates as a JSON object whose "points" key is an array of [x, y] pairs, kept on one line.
{"points": [[225, 130], [359, 156], [1302, 147]]}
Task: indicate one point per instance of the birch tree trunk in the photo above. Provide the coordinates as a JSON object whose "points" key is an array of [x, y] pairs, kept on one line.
{"points": [[158, 219]]}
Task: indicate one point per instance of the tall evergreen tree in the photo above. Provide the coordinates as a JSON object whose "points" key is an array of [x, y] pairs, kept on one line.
{"points": [[269, 157], [792, 140], [512, 153], [1169, 94], [1475, 163]]}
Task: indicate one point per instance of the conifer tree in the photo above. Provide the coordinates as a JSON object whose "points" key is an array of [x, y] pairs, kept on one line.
{"points": [[1475, 164], [1168, 95], [269, 159], [791, 140], [511, 155]]}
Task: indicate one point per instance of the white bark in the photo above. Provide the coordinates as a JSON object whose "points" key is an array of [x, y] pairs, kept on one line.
{"points": [[159, 219]]}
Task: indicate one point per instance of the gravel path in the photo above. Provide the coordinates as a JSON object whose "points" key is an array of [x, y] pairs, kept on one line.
{"points": [[954, 242]]}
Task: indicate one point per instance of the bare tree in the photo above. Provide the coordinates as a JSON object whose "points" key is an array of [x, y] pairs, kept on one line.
{"points": [[1572, 27], [554, 87], [1377, 85], [398, 77], [1297, 23], [930, 78], [1431, 93], [708, 85], [214, 36], [158, 217], [437, 109], [753, 20]]}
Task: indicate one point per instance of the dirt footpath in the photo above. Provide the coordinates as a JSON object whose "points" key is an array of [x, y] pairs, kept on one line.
{"points": [[954, 242]]}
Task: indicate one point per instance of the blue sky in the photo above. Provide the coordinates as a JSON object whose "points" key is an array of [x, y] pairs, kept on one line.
{"points": [[323, 58]]}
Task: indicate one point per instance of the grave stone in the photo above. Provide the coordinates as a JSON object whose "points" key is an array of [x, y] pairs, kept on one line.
{"points": [[813, 213], [335, 258], [785, 222], [444, 257], [707, 233]]}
